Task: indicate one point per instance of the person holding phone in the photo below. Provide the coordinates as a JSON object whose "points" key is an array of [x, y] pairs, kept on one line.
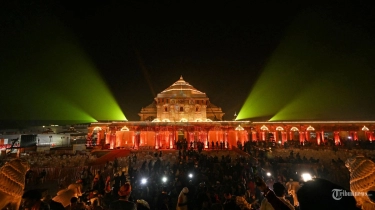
{"points": [[271, 197]]}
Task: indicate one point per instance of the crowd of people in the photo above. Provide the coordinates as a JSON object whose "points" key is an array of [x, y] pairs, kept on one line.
{"points": [[201, 180]]}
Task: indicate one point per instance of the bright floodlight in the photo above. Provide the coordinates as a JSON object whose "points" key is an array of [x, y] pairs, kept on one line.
{"points": [[164, 179], [306, 177], [144, 181], [268, 174], [190, 175]]}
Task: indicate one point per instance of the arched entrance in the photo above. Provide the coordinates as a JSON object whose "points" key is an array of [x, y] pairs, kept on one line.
{"points": [[181, 135]]}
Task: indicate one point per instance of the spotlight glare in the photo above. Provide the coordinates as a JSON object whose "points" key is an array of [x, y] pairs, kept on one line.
{"points": [[306, 177], [190, 175], [268, 174], [164, 179], [144, 181]]}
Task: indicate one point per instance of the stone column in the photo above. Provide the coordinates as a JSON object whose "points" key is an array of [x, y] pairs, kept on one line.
{"points": [[336, 137], [98, 137], [263, 135], [108, 137], [170, 140], [157, 140], [307, 136], [355, 137], [301, 136], [191, 138], [275, 136], [254, 136], [226, 139], [206, 136], [137, 139], [112, 141], [284, 136], [318, 139]]}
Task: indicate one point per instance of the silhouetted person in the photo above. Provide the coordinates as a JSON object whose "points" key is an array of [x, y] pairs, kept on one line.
{"points": [[317, 194], [53, 205], [123, 201], [32, 200]]}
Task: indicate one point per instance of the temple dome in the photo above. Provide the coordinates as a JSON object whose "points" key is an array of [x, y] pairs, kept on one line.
{"points": [[181, 102], [181, 88]]}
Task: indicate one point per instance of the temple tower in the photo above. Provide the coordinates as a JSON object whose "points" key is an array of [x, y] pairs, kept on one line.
{"points": [[181, 102]]}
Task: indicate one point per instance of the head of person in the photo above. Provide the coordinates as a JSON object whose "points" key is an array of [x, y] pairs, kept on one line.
{"points": [[74, 200], [125, 190], [31, 197], [47, 198], [279, 189], [318, 194], [228, 193], [95, 193], [142, 205], [185, 190], [240, 191]]}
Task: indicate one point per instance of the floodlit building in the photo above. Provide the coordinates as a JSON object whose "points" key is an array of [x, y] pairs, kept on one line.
{"points": [[183, 112], [177, 113]]}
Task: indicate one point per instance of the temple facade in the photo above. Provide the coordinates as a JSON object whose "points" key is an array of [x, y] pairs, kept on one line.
{"points": [[180, 112], [313, 131]]}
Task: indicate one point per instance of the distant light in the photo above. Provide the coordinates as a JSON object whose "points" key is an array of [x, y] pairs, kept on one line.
{"points": [[306, 177], [294, 129], [239, 128], [143, 181], [268, 174], [279, 142], [164, 179], [190, 175], [310, 128]]}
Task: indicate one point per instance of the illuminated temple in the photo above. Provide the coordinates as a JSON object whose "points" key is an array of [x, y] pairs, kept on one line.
{"points": [[180, 112]]}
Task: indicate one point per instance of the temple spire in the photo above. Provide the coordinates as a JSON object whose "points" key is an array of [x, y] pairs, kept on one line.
{"points": [[181, 78]]}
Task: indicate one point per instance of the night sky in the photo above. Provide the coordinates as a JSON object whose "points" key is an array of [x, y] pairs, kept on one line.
{"points": [[272, 58]]}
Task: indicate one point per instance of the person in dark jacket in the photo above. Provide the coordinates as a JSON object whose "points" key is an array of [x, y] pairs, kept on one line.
{"points": [[276, 203], [53, 205], [32, 200], [123, 201], [318, 194], [163, 200]]}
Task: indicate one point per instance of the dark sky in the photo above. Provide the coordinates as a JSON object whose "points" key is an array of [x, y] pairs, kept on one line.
{"points": [[140, 49]]}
